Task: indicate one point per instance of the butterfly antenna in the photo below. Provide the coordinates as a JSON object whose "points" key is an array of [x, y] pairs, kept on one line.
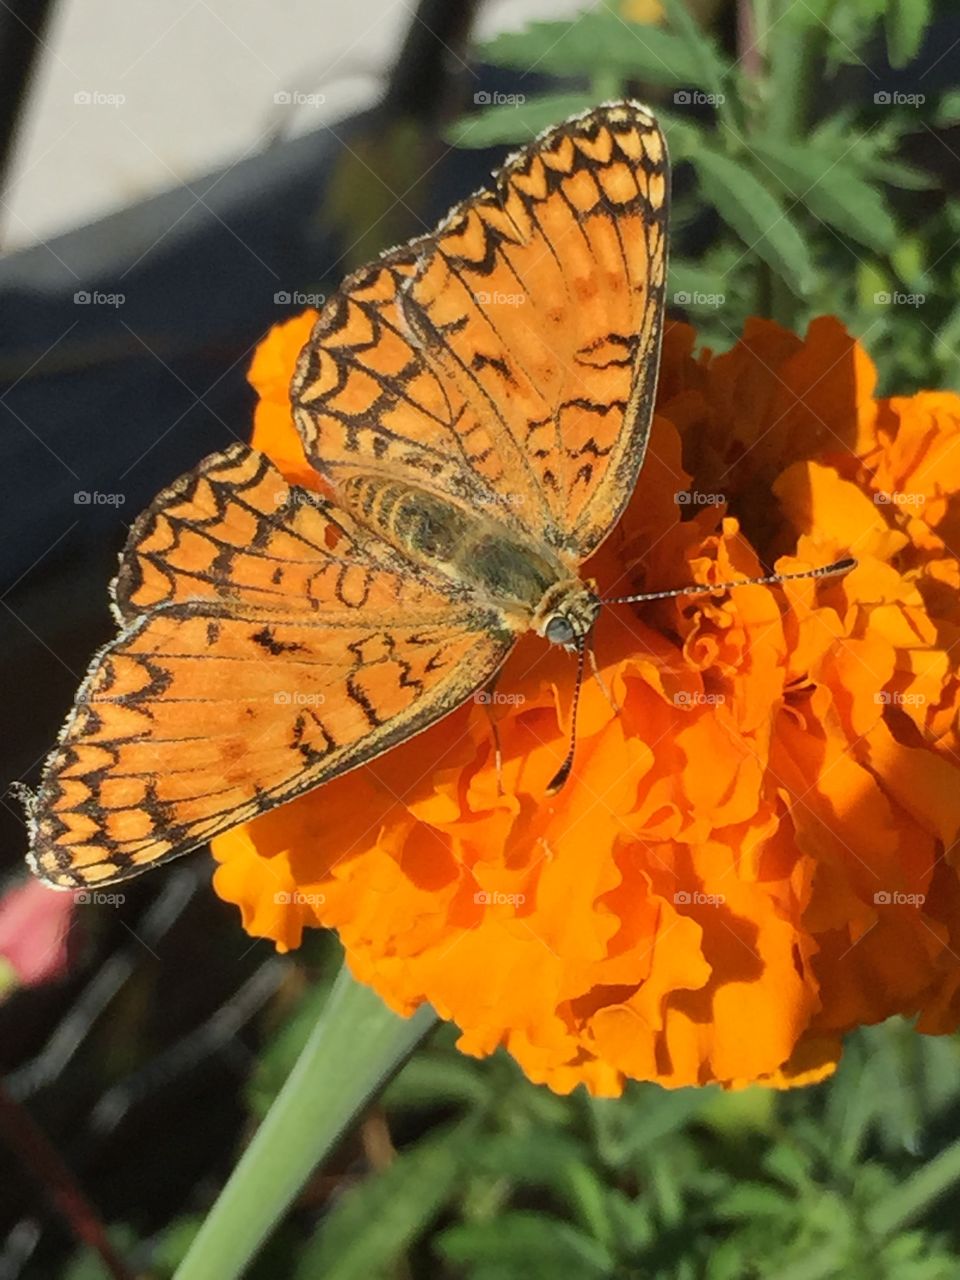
{"points": [[709, 588], [694, 589], [563, 773]]}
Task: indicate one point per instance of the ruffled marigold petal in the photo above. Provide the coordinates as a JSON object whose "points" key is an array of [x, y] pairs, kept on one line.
{"points": [[270, 374]]}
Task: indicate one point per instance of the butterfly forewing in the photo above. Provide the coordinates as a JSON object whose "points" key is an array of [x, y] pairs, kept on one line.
{"points": [[510, 358], [542, 300]]}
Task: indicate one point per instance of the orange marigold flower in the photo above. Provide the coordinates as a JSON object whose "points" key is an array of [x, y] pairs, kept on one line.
{"points": [[756, 852], [271, 371]]}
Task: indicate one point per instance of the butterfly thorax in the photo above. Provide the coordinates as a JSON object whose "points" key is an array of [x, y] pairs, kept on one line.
{"points": [[478, 551]]}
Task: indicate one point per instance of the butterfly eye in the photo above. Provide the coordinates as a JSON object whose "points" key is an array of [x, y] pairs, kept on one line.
{"points": [[559, 630]]}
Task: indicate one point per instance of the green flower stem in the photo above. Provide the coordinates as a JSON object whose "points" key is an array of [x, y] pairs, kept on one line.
{"points": [[356, 1046], [798, 40]]}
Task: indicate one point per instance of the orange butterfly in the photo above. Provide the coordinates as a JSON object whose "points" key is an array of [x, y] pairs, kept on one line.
{"points": [[479, 401]]}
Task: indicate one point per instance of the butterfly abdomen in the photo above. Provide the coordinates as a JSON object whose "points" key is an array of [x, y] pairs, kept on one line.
{"points": [[419, 524], [473, 549]]}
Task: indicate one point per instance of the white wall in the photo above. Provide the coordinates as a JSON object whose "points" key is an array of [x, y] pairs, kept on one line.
{"points": [[179, 87]]}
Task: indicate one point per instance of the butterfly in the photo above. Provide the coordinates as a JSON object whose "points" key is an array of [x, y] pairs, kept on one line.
{"points": [[478, 403]]}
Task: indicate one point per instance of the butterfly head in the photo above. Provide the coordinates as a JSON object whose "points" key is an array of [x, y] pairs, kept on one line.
{"points": [[567, 613]]}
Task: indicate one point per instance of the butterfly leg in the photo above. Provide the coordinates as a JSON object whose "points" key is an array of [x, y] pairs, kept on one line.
{"points": [[607, 693], [486, 697]]}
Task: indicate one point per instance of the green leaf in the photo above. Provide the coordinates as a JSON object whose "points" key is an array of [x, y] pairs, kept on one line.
{"points": [[712, 68], [684, 137], [644, 1120], [543, 1247], [9, 978], [848, 30], [354, 1048], [597, 39], [944, 351], [634, 1225], [370, 1226], [529, 1160], [898, 174], [546, 1158], [428, 1081], [752, 1200], [905, 24], [86, 1263], [757, 217], [948, 109], [743, 1111], [832, 192], [875, 154], [667, 1190], [515, 122], [916, 1194], [789, 1164], [693, 287], [173, 1245], [588, 1197]]}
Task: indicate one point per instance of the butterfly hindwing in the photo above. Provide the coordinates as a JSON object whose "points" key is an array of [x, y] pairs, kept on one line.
{"points": [[227, 697], [234, 529]]}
